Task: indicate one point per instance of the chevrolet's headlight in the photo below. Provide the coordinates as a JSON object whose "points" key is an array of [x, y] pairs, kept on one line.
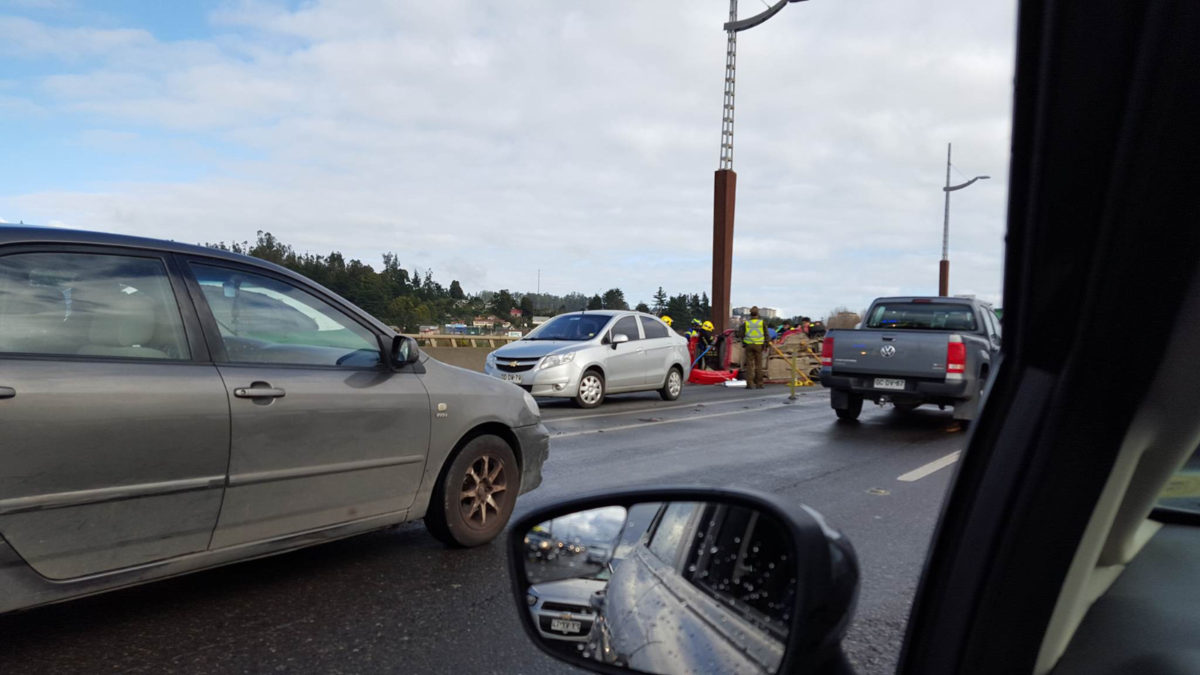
{"points": [[491, 360], [556, 360]]}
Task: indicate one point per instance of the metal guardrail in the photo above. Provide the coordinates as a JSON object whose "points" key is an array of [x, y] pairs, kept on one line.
{"points": [[463, 341]]}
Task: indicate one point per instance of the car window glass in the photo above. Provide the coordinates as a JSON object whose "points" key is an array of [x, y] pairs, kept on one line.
{"points": [[1182, 491], [574, 327], [927, 316], [626, 325], [653, 328], [263, 320], [741, 559], [669, 530], [86, 304]]}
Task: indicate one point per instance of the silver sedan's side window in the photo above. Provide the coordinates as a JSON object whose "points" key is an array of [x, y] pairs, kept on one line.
{"points": [[653, 328], [89, 304], [264, 320], [626, 325]]}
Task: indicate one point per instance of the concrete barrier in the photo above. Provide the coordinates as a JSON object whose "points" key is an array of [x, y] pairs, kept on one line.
{"points": [[471, 358]]}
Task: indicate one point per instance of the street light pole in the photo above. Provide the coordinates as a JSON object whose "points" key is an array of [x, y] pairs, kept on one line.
{"points": [[944, 264], [725, 180]]}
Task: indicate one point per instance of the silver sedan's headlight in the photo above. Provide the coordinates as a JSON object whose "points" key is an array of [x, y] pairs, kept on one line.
{"points": [[491, 360], [556, 360]]}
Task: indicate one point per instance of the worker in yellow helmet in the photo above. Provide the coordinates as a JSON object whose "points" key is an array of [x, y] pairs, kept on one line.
{"points": [[666, 319], [704, 333], [753, 333]]}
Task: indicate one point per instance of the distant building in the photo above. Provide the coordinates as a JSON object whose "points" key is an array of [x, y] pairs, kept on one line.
{"points": [[763, 312], [539, 320], [516, 313]]}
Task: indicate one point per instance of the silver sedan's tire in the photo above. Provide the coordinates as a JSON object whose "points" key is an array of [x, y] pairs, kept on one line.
{"points": [[591, 390], [673, 384]]}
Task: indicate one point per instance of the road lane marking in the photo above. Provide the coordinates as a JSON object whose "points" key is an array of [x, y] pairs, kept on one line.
{"points": [[551, 420], [936, 465], [623, 427]]}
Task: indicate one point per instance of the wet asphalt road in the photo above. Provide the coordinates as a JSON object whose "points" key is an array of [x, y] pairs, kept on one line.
{"points": [[398, 602]]}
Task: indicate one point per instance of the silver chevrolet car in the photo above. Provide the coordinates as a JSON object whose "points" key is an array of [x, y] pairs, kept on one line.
{"points": [[585, 355], [167, 408]]}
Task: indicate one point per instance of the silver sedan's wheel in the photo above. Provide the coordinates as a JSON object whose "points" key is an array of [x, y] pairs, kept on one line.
{"points": [[591, 390], [672, 386]]}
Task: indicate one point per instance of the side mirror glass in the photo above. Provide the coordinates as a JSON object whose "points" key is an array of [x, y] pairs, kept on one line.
{"points": [[684, 581], [403, 351], [619, 338]]}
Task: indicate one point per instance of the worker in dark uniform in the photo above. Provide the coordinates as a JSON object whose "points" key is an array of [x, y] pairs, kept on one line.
{"points": [[753, 333], [706, 342]]}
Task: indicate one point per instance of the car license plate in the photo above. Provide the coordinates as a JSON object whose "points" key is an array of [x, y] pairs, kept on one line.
{"points": [[511, 377], [885, 383], [565, 626]]}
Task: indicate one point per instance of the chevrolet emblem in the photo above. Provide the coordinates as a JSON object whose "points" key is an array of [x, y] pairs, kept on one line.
{"points": [[513, 364]]}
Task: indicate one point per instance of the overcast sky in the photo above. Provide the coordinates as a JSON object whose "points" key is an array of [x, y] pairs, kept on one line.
{"points": [[488, 140]]}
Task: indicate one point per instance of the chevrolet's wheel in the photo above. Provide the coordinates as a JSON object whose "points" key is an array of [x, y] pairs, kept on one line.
{"points": [[475, 496], [673, 385], [591, 390]]}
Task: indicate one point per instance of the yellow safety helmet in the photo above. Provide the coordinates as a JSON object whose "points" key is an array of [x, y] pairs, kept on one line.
{"points": [[708, 325], [666, 319]]}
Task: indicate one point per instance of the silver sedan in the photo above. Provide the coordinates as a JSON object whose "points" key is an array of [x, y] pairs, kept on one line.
{"points": [[586, 355]]}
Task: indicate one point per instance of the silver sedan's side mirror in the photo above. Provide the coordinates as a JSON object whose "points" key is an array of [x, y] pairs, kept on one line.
{"points": [[684, 580], [619, 338]]}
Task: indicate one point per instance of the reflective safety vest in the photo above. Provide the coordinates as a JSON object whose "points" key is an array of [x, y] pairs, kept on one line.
{"points": [[756, 332]]}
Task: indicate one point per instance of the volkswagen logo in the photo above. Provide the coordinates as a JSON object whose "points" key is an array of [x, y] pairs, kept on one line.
{"points": [[887, 351]]}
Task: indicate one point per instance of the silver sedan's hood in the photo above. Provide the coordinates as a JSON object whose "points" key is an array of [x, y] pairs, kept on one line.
{"points": [[532, 349]]}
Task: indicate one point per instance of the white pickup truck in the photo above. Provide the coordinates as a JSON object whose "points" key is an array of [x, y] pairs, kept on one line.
{"points": [[913, 350]]}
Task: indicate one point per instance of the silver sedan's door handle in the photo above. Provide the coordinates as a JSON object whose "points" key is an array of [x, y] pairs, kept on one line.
{"points": [[7, 392], [258, 392]]}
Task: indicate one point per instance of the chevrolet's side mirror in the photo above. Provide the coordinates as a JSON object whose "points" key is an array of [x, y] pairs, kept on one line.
{"points": [[619, 338], [684, 580]]}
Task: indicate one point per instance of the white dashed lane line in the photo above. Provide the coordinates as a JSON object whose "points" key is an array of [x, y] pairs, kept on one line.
{"points": [[932, 467]]}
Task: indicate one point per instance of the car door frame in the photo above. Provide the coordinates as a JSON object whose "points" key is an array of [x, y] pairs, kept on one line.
{"points": [[353, 313], [198, 355], [1105, 106]]}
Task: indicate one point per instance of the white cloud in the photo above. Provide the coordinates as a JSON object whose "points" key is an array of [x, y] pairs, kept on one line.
{"points": [[490, 140]]}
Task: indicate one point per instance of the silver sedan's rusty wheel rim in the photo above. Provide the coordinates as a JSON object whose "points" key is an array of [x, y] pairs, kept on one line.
{"points": [[674, 383], [482, 491], [591, 389]]}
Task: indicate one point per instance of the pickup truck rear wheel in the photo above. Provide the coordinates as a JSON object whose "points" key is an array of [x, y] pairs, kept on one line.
{"points": [[473, 500], [851, 411]]}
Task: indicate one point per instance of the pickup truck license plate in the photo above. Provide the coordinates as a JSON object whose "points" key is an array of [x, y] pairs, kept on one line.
{"points": [[565, 626], [886, 383], [511, 377]]}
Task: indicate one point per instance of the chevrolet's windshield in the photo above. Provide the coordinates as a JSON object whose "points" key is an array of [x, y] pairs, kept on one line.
{"points": [[574, 327]]}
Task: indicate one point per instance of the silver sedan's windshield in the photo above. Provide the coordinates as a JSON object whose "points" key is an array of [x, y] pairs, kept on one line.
{"points": [[576, 327]]}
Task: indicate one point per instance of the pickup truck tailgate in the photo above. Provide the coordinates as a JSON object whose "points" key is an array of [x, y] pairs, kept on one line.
{"points": [[881, 352]]}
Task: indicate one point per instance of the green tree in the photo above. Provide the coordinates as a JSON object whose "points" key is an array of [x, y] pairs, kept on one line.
{"points": [[502, 302], [456, 291], [614, 298], [643, 307], [660, 300], [595, 303]]}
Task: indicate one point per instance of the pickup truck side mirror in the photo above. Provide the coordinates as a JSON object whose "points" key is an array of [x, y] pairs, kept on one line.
{"points": [[619, 338], [684, 580]]}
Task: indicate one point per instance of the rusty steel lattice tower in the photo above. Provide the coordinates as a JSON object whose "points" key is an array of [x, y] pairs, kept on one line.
{"points": [[725, 183]]}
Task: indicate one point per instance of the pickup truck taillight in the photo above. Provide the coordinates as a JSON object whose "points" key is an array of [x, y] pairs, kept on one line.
{"points": [[956, 358], [827, 352]]}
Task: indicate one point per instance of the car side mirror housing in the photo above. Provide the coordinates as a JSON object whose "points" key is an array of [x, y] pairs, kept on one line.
{"points": [[684, 580], [619, 338], [401, 352]]}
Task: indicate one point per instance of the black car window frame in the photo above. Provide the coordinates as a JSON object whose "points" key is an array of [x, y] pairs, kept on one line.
{"points": [[211, 328], [195, 347]]}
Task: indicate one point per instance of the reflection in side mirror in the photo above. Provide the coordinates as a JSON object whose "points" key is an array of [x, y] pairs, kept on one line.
{"points": [[403, 351], [684, 581]]}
